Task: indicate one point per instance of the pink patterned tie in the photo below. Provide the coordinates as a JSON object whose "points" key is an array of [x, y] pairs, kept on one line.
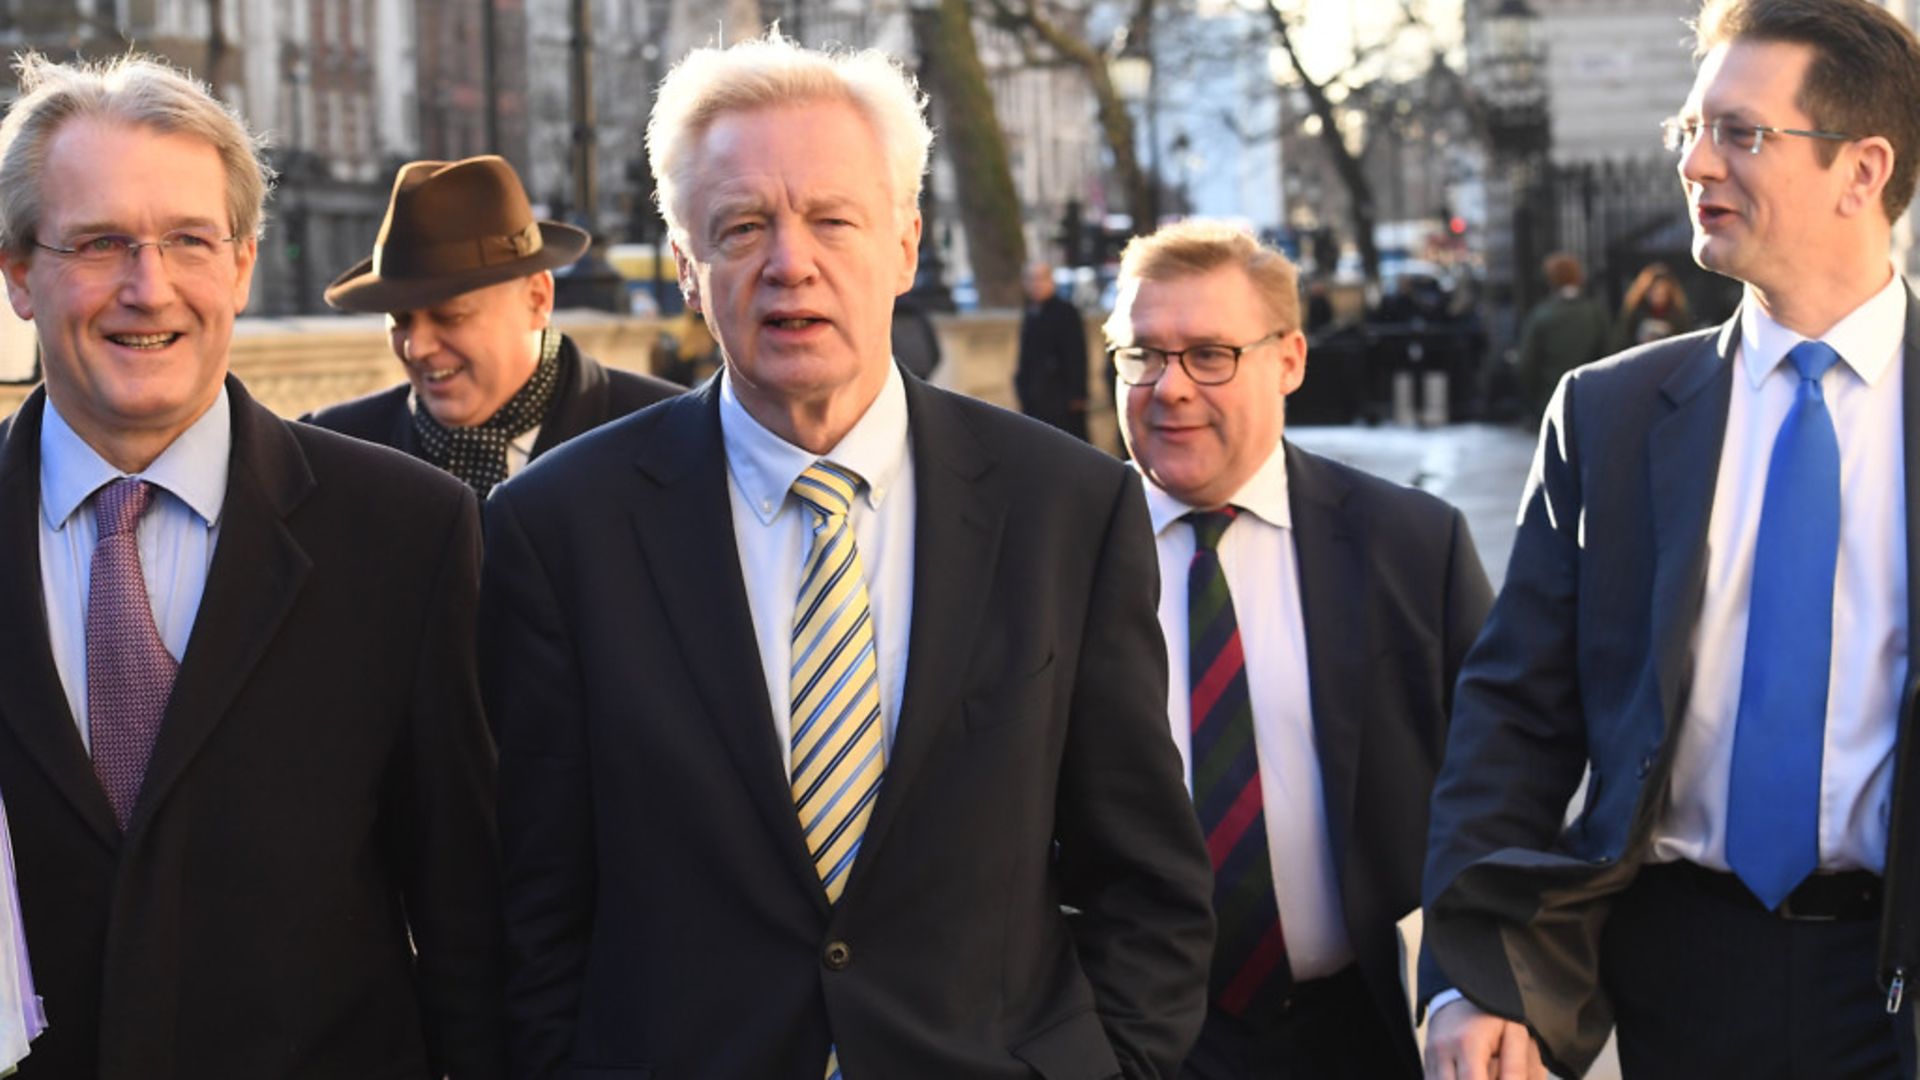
{"points": [[129, 672]]}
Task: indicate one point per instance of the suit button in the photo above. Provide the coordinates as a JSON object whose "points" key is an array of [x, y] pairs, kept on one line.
{"points": [[837, 956], [1646, 766]]}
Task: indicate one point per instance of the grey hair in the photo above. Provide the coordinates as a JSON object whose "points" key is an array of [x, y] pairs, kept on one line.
{"points": [[772, 71], [132, 89]]}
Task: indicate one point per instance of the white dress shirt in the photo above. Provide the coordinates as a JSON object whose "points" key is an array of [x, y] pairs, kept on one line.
{"points": [[1869, 661], [176, 537], [1257, 556], [774, 531], [520, 450]]}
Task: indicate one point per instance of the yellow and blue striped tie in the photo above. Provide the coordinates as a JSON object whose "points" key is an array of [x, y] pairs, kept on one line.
{"points": [[838, 739], [838, 736]]}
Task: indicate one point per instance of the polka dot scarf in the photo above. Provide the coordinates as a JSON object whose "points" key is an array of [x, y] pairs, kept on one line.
{"points": [[478, 454]]}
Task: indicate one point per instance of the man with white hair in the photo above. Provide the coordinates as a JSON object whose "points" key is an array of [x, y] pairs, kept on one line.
{"points": [[831, 705]]}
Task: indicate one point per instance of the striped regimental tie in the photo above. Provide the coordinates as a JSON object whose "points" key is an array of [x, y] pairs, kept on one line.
{"points": [[838, 733], [1251, 978]]}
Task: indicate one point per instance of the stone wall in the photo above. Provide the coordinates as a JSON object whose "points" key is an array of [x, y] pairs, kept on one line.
{"points": [[299, 364]]}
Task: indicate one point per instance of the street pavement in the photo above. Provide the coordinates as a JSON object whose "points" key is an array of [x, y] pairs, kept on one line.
{"points": [[1479, 468]]}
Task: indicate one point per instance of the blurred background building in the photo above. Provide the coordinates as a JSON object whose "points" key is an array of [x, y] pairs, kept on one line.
{"points": [[1446, 141]]}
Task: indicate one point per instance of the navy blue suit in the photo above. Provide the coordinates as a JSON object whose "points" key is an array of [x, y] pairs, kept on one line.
{"points": [[1583, 669]]}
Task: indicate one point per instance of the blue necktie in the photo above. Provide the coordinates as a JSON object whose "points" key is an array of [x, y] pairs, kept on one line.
{"points": [[1773, 793]]}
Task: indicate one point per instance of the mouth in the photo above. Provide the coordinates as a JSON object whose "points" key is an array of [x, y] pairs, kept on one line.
{"points": [[1707, 215], [144, 342], [437, 376], [792, 321]]}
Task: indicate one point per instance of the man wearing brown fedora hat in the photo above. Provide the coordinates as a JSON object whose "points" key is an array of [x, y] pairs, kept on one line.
{"points": [[464, 274]]}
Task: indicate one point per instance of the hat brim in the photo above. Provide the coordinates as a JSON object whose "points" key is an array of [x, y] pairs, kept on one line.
{"points": [[360, 289]]}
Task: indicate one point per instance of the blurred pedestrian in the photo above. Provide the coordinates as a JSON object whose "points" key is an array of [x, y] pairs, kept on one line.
{"points": [[1273, 561], [831, 704], [1050, 375], [243, 739], [1562, 332], [464, 275], [1654, 308]]}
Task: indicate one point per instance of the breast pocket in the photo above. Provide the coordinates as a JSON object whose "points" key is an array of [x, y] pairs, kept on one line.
{"points": [[1019, 697]]}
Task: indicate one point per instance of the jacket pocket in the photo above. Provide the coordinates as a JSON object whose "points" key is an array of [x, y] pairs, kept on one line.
{"points": [[1019, 696], [1073, 1049]]}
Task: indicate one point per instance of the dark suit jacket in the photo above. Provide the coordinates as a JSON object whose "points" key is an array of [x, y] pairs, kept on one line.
{"points": [[1392, 594], [588, 395], [1051, 372], [663, 916], [319, 792], [1585, 663]]}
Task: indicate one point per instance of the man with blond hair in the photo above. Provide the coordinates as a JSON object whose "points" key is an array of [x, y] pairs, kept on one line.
{"points": [[830, 703], [240, 733], [1315, 617], [1708, 617]]}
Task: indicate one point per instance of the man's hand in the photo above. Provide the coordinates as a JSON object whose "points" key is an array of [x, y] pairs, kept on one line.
{"points": [[1464, 1043]]}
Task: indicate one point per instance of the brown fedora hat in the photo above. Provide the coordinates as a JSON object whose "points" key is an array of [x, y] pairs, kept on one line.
{"points": [[452, 227]]}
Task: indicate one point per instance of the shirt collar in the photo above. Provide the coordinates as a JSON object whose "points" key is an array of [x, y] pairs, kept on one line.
{"points": [[1867, 339], [1264, 495], [764, 465], [193, 468]]}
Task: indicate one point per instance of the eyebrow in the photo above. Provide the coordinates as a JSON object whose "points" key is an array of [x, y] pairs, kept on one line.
{"points": [[190, 222]]}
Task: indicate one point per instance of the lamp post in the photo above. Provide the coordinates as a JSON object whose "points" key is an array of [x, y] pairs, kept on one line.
{"points": [[1132, 74], [1519, 134], [591, 282], [929, 289]]}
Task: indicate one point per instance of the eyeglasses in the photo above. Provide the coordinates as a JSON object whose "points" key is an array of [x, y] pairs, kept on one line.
{"points": [[1206, 365], [1678, 135], [182, 250]]}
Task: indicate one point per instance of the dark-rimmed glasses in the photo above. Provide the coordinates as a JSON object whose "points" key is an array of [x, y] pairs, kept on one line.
{"points": [[1206, 365]]}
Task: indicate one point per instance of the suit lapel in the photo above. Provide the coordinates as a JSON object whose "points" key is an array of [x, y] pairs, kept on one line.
{"points": [[684, 522], [32, 700], [1683, 455], [257, 572], [1332, 571], [958, 519]]}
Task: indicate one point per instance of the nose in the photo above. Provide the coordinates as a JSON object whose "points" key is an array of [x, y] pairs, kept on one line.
{"points": [[147, 282], [1701, 160], [1174, 384], [415, 341], [790, 254]]}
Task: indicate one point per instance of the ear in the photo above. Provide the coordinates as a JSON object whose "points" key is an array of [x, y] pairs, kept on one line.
{"points": [[689, 276], [1293, 362], [540, 298], [245, 253], [18, 295], [910, 254], [1868, 163]]}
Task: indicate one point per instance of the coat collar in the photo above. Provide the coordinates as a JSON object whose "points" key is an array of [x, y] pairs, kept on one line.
{"points": [[256, 572]]}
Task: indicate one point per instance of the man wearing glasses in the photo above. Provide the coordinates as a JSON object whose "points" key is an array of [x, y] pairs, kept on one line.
{"points": [[1708, 617], [1315, 617], [241, 743]]}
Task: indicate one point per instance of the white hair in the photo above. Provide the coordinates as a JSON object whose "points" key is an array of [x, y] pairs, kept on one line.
{"points": [[773, 71]]}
